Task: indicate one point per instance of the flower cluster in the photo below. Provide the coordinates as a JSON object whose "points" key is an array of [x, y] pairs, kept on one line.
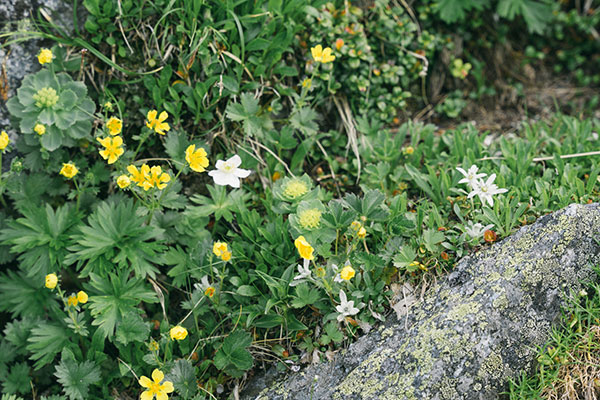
{"points": [[220, 250], [80, 297], [147, 177], [485, 190], [44, 56]]}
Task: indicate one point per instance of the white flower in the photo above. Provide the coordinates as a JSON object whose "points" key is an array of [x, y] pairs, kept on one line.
{"points": [[346, 308], [471, 176], [303, 272], [476, 230], [228, 173], [486, 190]]}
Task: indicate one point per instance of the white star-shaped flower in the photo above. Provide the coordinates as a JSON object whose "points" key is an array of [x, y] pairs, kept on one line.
{"points": [[476, 230], [346, 308], [471, 176], [228, 173], [486, 190]]}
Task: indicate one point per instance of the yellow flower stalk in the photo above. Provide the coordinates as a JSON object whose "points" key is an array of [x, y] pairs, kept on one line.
{"points": [[156, 179], [112, 148], [68, 170], [51, 281], [44, 56], [139, 176], [154, 387], [196, 158], [123, 181], [322, 55], [82, 297], [304, 248], [39, 129], [114, 125], [4, 140], [157, 124]]}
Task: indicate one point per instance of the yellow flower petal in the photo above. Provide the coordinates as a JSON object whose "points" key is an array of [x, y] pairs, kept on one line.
{"points": [[167, 387], [145, 382], [157, 375], [147, 395]]}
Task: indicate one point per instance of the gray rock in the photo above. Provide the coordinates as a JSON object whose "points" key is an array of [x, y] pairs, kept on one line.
{"points": [[478, 328]]}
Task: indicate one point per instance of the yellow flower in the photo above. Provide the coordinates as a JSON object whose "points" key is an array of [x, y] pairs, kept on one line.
{"points": [[304, 248], [309, 219], [114, 125], [196, 158], [153, 346], [307, 83], [178, 332], [154, 388], [295, 188], [108, 105], [356, 225], [39, 129], [140, 176], [322, 55], [362, 233], [408, 150], [112, 148], [347, 273], [45, 56], [68, 170], [72, 300], [123, 181], [219, 248], [82, 297], [51, 281], [210, 291], [226, 256], [157, 178], [158, 124], [3, 140]]}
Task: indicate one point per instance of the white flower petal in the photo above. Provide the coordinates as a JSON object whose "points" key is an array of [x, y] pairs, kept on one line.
{"points": [[236, 161], [220, 164], [242, 173]]}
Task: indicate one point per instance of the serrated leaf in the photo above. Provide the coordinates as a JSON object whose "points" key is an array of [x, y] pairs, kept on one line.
{"points": [[183, 377], [46, 341], [18, 380], [233, 357], [77, 377], [132, 329]]}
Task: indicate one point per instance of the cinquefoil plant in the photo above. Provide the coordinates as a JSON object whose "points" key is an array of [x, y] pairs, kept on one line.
{"points": [[53, 107]]}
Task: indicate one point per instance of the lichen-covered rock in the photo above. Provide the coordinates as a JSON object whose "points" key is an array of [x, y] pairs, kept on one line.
{"points": [[479, 327]]}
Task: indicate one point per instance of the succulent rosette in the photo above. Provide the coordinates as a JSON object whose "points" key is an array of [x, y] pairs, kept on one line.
{"points": [[56, 101]]}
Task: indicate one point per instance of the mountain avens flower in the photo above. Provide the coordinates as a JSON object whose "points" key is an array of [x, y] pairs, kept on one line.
{"points": [[310, 219], [157, 124], [178, 333], [45, 98], [44, 56], [321, 54], [4, 140], [154, 387], [68, 170], [114, 125], [228, 173], [112, 148], [123, 181], [304, 248], [196, 158], [51, 281], [39, 129]]}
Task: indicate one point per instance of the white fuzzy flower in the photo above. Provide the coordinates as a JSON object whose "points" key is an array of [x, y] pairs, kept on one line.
{"points": [[486, 190], [476, 230], [303, 272], [471, 176], [228, 173], [346, 308]]}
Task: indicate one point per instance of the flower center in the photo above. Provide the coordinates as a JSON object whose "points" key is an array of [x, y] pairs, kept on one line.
{"points": [[45, 98], [295, 188], [228, 167], [154, 388], [309, 219]]}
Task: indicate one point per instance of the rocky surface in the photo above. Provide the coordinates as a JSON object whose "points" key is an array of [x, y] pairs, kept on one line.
{"points": [[473, 331], [19, 59]]}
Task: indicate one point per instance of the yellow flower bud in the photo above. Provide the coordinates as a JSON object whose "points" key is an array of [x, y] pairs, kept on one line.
{"points": [[72, 300], [347, 273], [178, 333], [82, 297], [123, 181], [45, 56], [51, 281], [39, 129], [304, 248]]}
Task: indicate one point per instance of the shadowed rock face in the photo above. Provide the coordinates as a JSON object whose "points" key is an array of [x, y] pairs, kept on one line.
{"points": [[471, 333]]}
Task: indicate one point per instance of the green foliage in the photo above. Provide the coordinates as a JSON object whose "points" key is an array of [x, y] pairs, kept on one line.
{"points": [[233, 356], [76, 378], [183, 376]]}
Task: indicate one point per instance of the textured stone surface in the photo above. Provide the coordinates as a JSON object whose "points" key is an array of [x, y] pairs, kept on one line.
{"points": [[473, 331]]}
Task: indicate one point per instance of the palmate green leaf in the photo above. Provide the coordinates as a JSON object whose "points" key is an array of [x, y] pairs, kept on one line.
{"points": [[116, 236], [41, 235], [233, 357], [76, 378], [537, 14], [46, 341], [18, 380], [183, 376], [456, 10], [113, 298], [304, 121], [132, 329], [23, 296], [370, 206]]}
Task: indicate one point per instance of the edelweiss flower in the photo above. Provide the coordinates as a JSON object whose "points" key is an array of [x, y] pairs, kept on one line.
{"points": [[303, 271], [346, 308], [475, 231], [486, 190], [471, 176], [154, 388], [228, 173]]}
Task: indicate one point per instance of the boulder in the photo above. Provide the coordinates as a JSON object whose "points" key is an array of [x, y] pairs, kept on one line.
{"points": [[479, 327]]}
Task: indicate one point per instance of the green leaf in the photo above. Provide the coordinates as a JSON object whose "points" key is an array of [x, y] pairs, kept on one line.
{"points": [[68, 98], [305, 296], [304, 121], [132, 329], [183, 376], [24, 296], [247, 290], [76, 378], [456, 10], [233, 357], [46, 341], [18, 380]]}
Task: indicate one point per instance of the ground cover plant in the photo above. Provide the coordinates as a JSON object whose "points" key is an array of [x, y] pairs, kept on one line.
{"points": [[213, 186]]}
